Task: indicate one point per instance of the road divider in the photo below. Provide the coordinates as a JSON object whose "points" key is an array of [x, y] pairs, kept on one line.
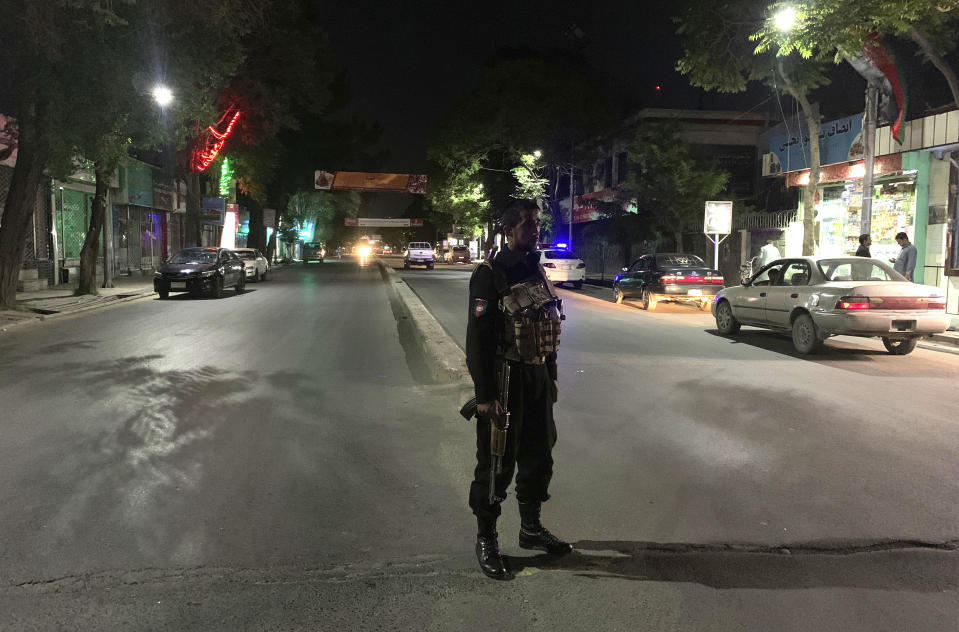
{"points": [[440, 358]]}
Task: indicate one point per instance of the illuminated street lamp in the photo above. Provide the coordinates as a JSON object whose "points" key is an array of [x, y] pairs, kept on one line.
{"points": [[537, 153], [785, 19], [162, 95]]}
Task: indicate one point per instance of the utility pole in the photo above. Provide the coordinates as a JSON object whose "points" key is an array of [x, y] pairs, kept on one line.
{"points": [[869, 156], [572, 173]]}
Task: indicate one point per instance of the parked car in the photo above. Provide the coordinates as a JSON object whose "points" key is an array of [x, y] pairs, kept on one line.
{"points": [[255, 264], [457, 254], [668, 277], [418, 253], [387, 250], [814, 299], [198, 270], [313, 251], [562, 266]]}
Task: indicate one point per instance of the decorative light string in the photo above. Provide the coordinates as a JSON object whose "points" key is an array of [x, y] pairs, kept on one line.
{"points": [[211, 146]]}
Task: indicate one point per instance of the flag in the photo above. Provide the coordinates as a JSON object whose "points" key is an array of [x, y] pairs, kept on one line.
{"points": [[878, 66]]}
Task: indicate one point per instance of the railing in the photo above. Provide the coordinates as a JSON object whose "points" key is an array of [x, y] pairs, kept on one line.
{"points": [[754, 221]]}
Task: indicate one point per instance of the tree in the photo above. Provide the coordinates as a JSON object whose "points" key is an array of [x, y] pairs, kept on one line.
{"points": [[525, 101], [670, 185], [843, 28], [718, 54]]}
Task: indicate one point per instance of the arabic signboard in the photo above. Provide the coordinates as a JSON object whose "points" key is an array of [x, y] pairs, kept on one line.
{"points": [[364, 181], [389, 222], [269, 217], [719, 218], [839, 141]]}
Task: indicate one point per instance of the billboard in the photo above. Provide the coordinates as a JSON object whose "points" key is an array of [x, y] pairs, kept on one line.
{"points": [[719, 218], [367, 181], [377, 221], [839, 141]]}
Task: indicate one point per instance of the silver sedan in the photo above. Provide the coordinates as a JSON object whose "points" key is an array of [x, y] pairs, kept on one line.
{"points": [[815, 298]]}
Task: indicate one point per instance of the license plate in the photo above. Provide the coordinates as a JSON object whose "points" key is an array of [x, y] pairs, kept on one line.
{"points": [[903, 325], [178, 286], [694, 293]]}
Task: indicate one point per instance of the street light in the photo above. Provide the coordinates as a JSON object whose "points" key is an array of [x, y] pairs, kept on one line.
{"points": [[537, 153], [162, 95], [785, 19]]}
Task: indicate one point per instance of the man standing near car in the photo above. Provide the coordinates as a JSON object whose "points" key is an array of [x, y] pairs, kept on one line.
{"points": [[864, 242], [493, 337], [905, 263]]}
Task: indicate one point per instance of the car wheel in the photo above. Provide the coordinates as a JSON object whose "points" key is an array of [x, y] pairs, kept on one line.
{"points": [[649, 301], [164, 294], [429, 267], [726, 323], [240, 287], [216, 290], [617, 295], [577, 285], [256, 276], [899, 346], [806, 338], [263, 276]]}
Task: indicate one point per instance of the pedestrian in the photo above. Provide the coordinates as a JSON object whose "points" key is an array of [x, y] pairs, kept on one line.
{"points": [[498, 333], [768, 253], [905, 263], [865, 241]]}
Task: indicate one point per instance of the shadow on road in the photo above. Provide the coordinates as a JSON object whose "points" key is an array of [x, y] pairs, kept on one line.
{"points": [[933, 567]]}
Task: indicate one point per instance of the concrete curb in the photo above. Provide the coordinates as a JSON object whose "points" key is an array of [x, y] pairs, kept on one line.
{"points": [[947, 339], [11, 319], [446, 361]]}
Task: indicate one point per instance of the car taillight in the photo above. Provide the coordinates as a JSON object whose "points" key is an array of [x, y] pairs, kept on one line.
{"points": [[689, 278], [853, 302], [549, 265], [580, 265]]}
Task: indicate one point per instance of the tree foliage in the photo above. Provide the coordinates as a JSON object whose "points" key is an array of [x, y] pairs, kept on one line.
{"points": [[719, 54]]}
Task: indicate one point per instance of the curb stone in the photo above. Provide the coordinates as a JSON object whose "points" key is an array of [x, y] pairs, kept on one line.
{"points": [[448, 362]]}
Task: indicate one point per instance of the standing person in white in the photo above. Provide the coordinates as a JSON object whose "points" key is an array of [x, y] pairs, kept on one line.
{"points": [[768, 253]]}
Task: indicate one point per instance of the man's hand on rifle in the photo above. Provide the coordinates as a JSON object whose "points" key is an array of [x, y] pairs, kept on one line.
{"points": [[490, 409]]}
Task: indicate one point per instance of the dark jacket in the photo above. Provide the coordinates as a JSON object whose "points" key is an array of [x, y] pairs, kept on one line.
{"points": [[484, 329], [863, 251]]}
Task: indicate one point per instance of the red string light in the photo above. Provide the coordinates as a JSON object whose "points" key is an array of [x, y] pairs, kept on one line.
{"points": [[211, 146]]}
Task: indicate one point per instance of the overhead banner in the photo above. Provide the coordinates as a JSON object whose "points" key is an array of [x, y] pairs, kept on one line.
{"points": [[719, 218], [365, 181], [389, 222]]}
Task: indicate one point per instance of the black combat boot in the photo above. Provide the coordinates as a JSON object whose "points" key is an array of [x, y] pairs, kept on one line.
{"points": [[533, 535], [487, 552]]}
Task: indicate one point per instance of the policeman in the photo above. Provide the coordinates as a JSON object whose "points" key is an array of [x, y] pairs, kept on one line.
{"points": [[514, 317]]}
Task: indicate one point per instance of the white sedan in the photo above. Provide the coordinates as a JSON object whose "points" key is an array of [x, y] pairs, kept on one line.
{"points": [[818, 298], [254, 262], [562, 266]]}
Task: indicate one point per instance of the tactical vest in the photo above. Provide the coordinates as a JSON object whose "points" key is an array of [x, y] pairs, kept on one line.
{"points": [[532, 313]]}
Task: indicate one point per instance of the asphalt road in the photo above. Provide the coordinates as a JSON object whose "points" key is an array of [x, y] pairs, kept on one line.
{"points": [[270, 461]]}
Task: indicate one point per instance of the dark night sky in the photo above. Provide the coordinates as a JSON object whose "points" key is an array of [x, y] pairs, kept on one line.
{"points": [[408, 63]]}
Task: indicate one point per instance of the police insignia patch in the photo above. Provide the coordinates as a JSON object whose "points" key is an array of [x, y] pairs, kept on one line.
{"points": [[479, 308]]}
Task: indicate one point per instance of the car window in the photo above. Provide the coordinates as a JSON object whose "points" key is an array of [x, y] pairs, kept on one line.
{"points": [[796, 273], [194, 255], [636, 265], [460, 248], [858, 270], [244, 254], [679, 261], [769, 276], [559, 254]]}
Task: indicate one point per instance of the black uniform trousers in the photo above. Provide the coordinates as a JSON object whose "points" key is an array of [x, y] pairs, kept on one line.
{"points": [[529, 443]]}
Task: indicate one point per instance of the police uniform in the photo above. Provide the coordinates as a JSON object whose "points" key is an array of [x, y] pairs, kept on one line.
{"points": [[514, 315]]}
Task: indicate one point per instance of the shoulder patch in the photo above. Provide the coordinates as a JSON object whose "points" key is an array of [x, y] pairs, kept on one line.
{"points": [[479, 307]]}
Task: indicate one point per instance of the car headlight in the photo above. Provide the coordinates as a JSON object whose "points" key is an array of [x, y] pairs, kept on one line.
{"points": [[207, 273], [157, 273]]}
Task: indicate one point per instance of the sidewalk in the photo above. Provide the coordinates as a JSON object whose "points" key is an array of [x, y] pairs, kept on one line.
{"points": [[59, 300]]}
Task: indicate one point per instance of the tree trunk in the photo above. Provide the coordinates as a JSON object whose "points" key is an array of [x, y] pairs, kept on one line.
{"points": [[812, 188], [937, 60], [91, 245], [18, 211], [191, 227], [680, 247], [256, 238]]}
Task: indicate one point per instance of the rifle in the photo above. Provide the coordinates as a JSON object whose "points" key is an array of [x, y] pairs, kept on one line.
{"points": [[498, 428]]}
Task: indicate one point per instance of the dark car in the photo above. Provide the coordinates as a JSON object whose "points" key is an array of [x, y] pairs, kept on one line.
{"points": [[313, 251], [457, 254], [668, 277], [200, 270]]}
